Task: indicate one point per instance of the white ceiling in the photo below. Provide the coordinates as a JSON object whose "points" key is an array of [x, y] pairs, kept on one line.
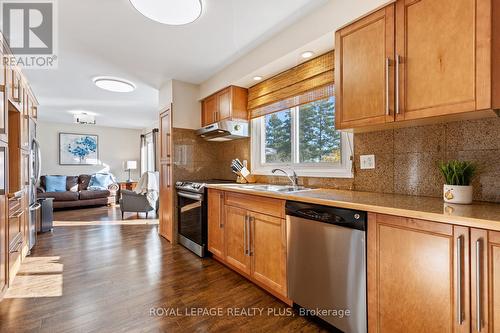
{"points": [[109, 37]]}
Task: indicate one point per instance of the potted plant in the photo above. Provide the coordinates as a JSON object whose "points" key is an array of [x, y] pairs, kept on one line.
{"points": [[458, 176]]}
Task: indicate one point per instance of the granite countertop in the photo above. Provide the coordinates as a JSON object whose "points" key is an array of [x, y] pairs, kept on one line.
{"points": [[477, 215]]}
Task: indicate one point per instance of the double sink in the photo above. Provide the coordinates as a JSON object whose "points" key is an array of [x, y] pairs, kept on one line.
{"points": [[271, 188]]}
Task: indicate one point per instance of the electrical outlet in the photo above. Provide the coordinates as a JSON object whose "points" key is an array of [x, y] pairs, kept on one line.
{"points": [[367, 162]]}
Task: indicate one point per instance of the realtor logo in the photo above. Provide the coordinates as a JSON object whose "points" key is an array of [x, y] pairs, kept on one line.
{"points": [[29, 29]]}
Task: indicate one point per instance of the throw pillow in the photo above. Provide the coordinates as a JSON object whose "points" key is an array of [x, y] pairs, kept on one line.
{"points": [[55, 183], [101, 180]]}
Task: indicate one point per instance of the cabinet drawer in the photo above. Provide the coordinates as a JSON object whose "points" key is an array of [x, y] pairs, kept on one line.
{"points": [[15, 227], [264, 205]]}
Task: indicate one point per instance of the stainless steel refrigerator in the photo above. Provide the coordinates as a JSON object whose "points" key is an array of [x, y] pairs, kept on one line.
{"points": [[35, 169]]}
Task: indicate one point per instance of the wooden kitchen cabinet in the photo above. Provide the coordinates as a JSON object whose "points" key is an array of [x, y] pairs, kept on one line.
{"points": [[364, 52], [166, 204], [237, 238], [209, 110], [412, 275], [414, 60], [229, 103], [224, 104], [422, 275], [443, 46], [492, 297], [268, 251], [215, 223], [248, 233]]}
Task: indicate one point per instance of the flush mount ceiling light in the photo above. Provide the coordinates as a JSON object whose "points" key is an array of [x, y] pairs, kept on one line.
{"points": [[171, 12], [307, 54], [114, 84], [257, 78]]}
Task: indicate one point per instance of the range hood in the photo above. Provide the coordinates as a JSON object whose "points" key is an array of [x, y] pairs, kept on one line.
{"points": [[224, 130]]}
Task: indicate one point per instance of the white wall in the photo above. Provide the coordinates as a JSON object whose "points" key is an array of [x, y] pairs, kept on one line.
{"points": [[315, 32], [186, 105], [116, 145]]}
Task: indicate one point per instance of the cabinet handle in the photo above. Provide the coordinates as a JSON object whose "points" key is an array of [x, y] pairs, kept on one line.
{"points": [[251, 235], [245, 234], [387, 64], [478, 286], [398, 59], [459, 280], [17, 214], [248, 235], [221, 224]]}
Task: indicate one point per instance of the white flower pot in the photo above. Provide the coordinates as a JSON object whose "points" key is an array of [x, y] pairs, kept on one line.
{"points": [[457, 194]]}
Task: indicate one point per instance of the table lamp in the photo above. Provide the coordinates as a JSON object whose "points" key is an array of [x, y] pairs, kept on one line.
{"points": [[130, 165]]}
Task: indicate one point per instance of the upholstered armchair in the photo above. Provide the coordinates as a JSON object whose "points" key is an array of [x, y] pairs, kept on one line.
{"points": [[134, 202]]}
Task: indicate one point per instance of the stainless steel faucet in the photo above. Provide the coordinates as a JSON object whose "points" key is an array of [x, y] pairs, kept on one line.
{"points": [[294, 179]]}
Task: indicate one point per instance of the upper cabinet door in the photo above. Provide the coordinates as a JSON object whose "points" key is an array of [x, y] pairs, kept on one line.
{"points": [[444, 57], [224, 100], [364, 75], [209, 110]]}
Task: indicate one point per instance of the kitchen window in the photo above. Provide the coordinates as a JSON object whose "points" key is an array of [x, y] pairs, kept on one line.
{"points": [[303, 138]]}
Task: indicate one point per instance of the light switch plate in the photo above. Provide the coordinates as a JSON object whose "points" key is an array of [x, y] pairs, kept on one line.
{"points": [[367, 162]]}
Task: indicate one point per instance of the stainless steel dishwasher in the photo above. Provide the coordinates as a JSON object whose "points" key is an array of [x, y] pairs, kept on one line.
{"points": [[326, 263]]}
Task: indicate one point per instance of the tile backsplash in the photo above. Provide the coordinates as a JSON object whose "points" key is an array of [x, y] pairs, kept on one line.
{"points": [[197, 159], [406, 159]]}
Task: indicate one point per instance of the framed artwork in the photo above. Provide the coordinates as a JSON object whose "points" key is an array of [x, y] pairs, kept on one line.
{"points": [[78, 149]]}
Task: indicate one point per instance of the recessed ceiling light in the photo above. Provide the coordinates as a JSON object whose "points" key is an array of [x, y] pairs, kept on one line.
{"points": [[257, 78], [114, 84], [307, 54], [171, 12]]}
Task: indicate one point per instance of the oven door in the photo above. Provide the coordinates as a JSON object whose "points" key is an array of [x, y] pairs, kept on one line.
{"points": [[191, 221]]}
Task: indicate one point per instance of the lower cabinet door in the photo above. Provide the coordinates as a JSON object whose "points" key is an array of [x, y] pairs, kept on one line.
{"points": [[237, 238], [493, 264], [268, 251], [418, 276], [215, 223]]}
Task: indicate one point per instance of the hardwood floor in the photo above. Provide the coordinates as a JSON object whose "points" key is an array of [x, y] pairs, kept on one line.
{"points": [[113, 278]]}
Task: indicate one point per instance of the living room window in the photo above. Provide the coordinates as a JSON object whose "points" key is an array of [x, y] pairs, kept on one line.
{"points": [[303, 138], [148, 151]]}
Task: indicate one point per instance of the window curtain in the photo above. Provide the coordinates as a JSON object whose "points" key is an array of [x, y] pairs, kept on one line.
{"points": [[308, 82], [144, 166], [149, 143]]}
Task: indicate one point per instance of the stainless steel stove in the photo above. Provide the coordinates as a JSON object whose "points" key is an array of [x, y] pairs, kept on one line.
{"points": [[192, 214]]}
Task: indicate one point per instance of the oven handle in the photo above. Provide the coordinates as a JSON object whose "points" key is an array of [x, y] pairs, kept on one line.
{"points": [[197, 197]]}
